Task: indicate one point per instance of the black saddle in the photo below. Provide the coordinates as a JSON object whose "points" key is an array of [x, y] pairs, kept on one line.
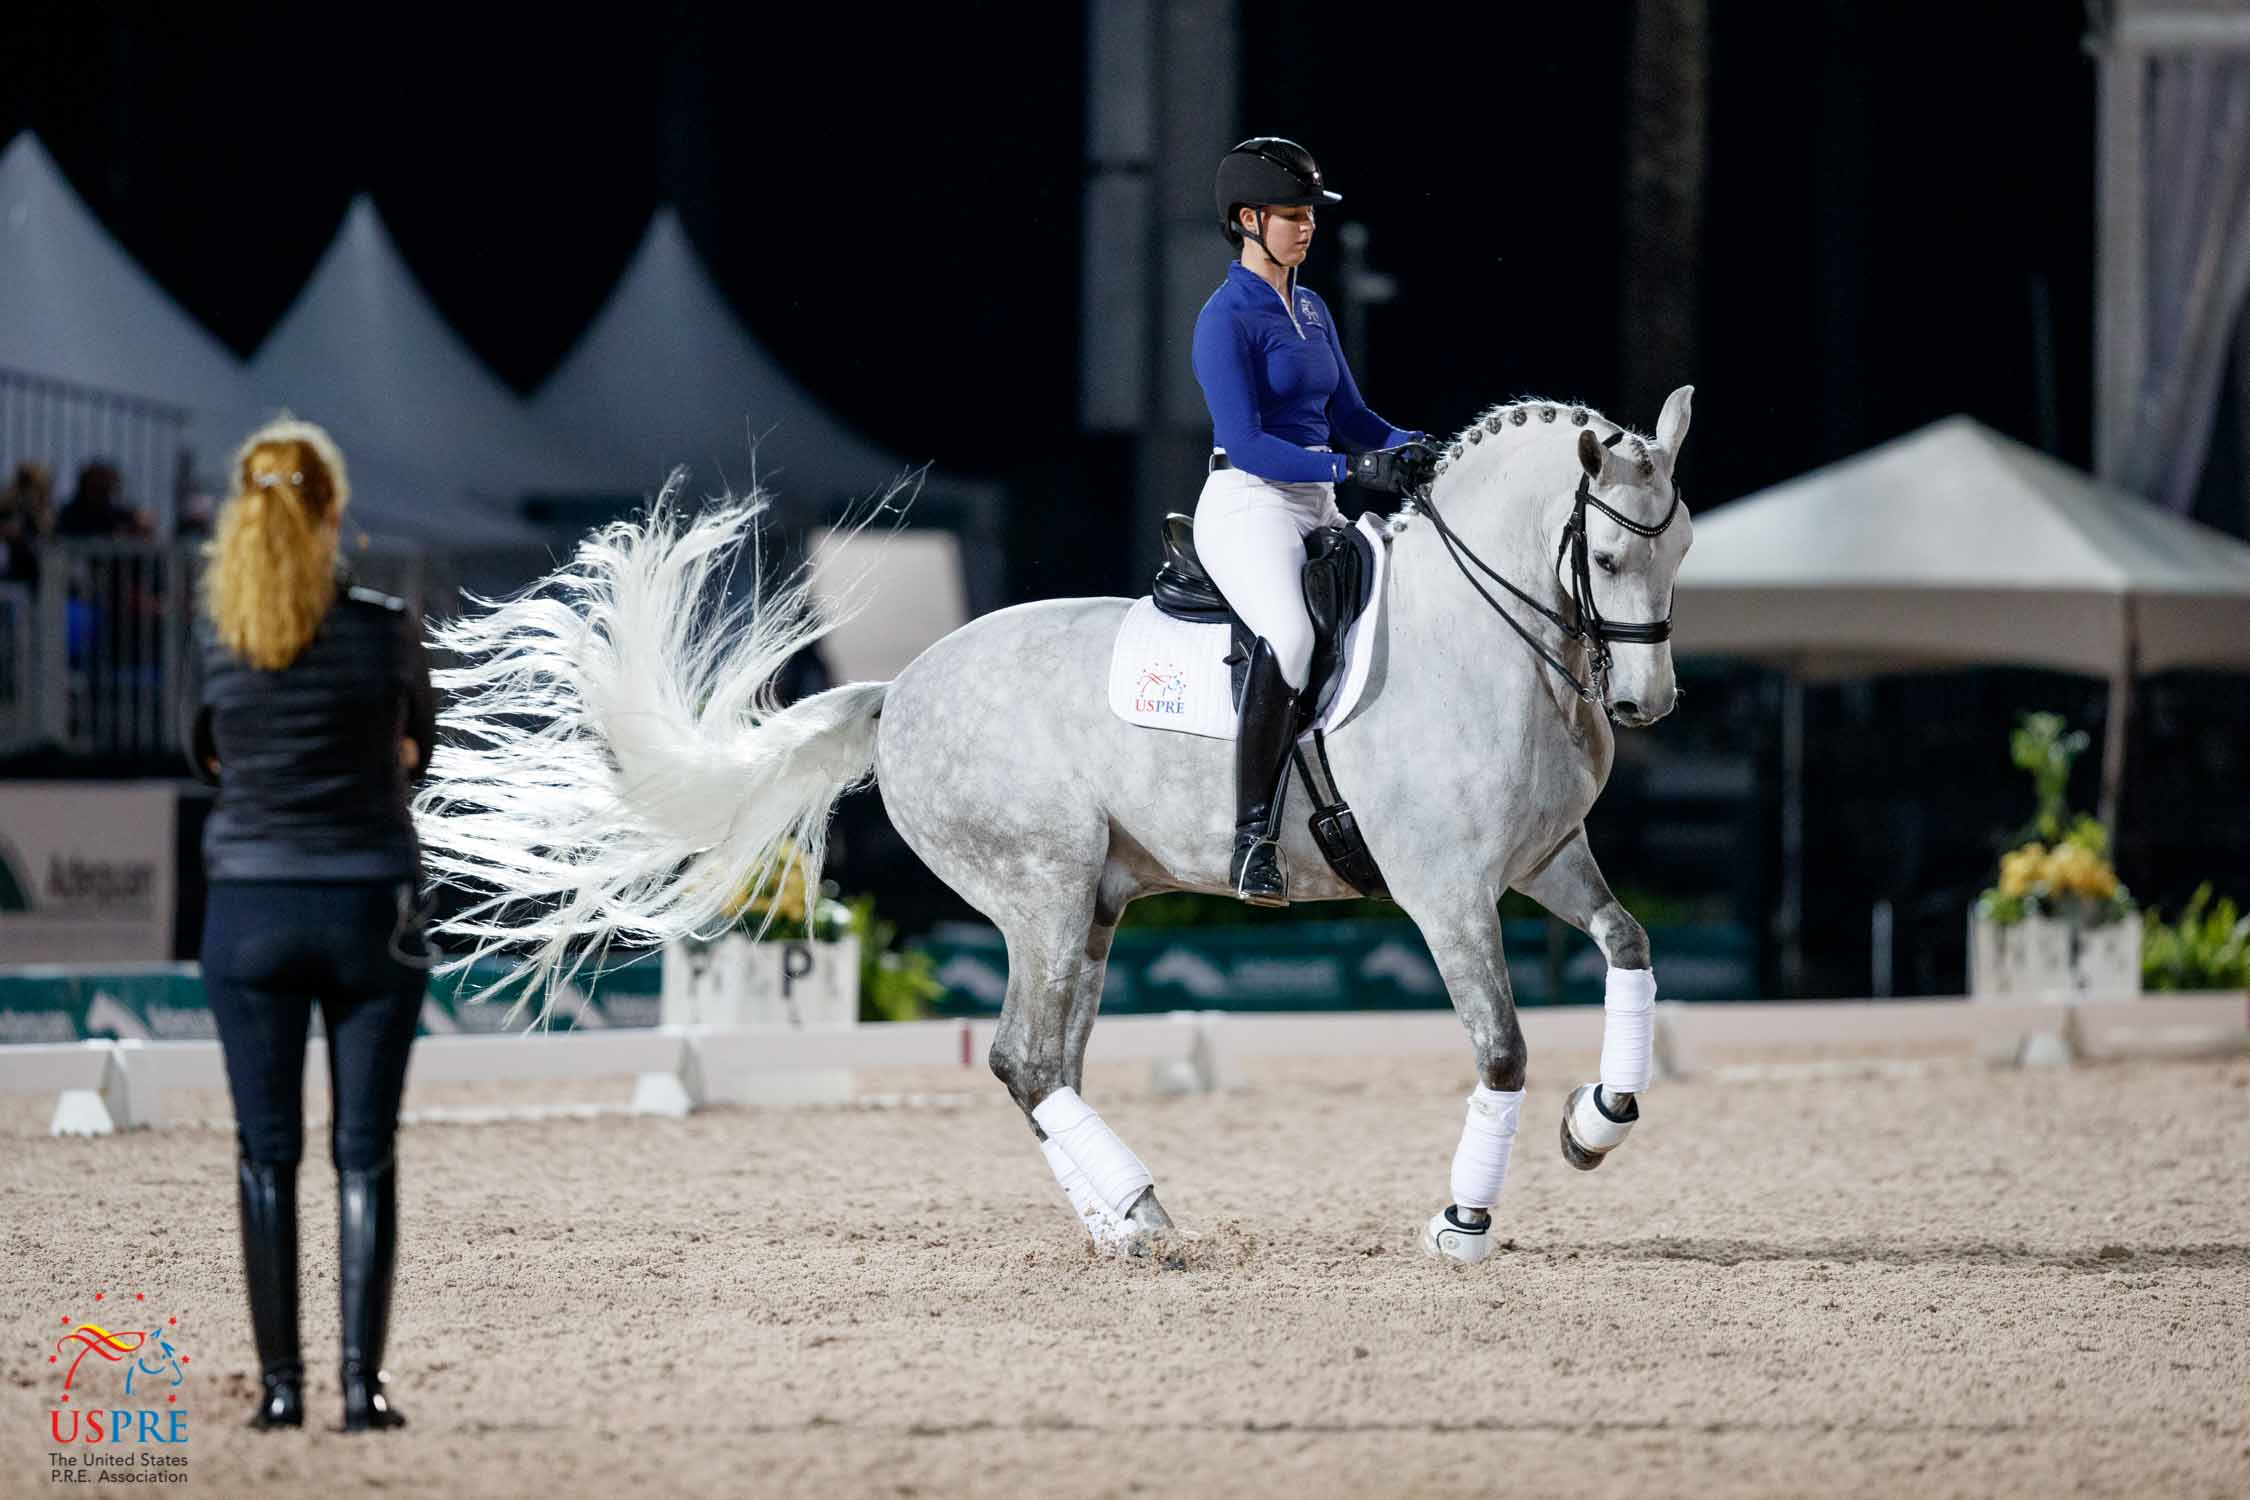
{"points": [[1338, 578], [1339, 573]]}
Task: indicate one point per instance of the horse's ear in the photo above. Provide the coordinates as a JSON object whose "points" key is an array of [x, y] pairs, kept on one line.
{"points": [[1671, 427], [1591, 453]]}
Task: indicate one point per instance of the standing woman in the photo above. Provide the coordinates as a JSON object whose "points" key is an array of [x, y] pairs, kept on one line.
{"points": [[314, 712], [1274, 378]]}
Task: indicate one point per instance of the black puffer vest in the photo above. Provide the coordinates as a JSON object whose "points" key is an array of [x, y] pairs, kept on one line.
{"points": [[310, 785]]}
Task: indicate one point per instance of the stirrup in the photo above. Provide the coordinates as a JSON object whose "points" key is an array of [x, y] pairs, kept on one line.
{"points": [[1246, 860]]}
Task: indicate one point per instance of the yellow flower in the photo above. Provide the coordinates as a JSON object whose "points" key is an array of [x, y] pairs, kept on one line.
{"points": [[2021, 869], [762, 893], [2070, 868]]}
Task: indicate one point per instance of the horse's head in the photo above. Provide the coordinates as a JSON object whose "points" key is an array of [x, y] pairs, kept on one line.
{"points": [[1632, 532]]}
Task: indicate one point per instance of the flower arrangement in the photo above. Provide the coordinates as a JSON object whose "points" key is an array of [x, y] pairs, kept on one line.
{"points": [[2060, 864], [783, 906], [778, 905]]}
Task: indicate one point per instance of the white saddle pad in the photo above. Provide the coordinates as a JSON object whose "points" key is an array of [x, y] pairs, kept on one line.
{"points": [[1171, 674]]}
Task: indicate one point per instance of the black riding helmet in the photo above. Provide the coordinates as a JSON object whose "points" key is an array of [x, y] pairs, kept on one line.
{"points": [[1267, 171]]}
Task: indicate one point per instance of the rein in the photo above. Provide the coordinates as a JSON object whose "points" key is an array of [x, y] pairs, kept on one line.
{"points": [[1589, 626]]}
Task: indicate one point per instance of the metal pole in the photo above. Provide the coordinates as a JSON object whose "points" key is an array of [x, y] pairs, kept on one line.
{"points": [[1881, 924], [2120, 348], [1361, 289], [1792, 834], [2114, 729]]}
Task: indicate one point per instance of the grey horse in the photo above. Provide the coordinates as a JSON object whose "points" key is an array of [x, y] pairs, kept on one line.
{"points": [[612, 758]]}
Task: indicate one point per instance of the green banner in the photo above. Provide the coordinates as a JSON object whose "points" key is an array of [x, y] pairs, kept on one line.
{"points": [[165, 1002], [1344, 965]]}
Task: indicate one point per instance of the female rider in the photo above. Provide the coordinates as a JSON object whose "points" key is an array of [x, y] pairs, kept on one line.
{"points": [[1274, 378]]}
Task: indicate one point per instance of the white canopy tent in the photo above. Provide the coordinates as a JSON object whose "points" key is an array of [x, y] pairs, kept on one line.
{"points": [[433, 438], [75, 308], [666, 375], [1956, 546]]}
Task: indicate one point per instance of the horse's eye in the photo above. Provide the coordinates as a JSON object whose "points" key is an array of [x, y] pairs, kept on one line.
{"points": [[1605, 562]]}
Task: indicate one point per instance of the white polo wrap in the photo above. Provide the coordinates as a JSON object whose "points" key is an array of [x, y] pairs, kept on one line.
{"points": [[1106, 1228], [1111, 1169], [1628, 1030], [1488, 1137]]}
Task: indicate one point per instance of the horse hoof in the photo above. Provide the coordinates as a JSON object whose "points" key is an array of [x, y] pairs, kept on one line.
{"points": [[1168, 1249], [1448, 1238], [1604, 1133]]}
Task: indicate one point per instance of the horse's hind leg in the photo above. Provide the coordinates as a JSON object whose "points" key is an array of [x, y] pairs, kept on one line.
{"points": [[1055, 969], [1597, 1116]]}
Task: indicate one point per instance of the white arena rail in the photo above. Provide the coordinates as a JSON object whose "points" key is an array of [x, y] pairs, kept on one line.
{"points": [[116, 1085]]}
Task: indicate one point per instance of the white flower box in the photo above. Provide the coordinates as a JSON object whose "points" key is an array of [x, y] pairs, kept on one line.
{"points": [[2048, 958], [792, 985]]}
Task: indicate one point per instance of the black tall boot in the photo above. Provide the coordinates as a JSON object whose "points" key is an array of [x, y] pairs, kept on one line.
{"points": [[366, 1252], [1261, 764], [268, 1194]]}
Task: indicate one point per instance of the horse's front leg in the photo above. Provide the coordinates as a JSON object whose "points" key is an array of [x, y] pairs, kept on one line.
{"points": [[1598, 1115], [1476, 977]]}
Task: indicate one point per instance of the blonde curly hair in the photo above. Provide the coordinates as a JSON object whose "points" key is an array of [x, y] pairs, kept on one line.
{"points": [[270, 566]]}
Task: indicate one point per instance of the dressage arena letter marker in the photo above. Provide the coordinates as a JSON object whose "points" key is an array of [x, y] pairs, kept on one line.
{"points": [[796, 963]]}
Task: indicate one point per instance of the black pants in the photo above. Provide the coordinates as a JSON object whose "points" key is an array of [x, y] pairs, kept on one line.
{"points": [[272, 950]]}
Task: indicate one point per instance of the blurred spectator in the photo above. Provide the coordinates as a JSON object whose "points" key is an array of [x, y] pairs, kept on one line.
{"points": [[198, 512], [27, 518], [98, 508]]}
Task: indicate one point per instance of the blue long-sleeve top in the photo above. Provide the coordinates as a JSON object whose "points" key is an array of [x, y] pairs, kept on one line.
{"points": [[1275, 380]]}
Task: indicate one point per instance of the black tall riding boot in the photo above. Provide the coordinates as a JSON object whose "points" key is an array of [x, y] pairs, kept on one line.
{"points": [[366, 1251], [268, 1195], [1261, 764]]}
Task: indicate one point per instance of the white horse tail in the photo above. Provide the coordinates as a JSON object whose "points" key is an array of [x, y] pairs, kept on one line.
{"points": [[614, 767]]}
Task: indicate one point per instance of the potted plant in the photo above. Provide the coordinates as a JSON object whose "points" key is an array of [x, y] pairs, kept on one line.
{"points": [[789, 958], [796, 955], [2207, 949], [2058, 922]]}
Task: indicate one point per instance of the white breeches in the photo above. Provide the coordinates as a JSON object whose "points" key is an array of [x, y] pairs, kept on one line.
{"points": [[1250, 533]]}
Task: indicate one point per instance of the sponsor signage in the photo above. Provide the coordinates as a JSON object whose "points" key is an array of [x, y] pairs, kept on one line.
{"points": [[86, 871], [1339, 965]]}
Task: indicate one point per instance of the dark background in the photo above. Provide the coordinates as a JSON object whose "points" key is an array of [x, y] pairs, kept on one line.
{"points": [[890, 199], [1896, 224]]}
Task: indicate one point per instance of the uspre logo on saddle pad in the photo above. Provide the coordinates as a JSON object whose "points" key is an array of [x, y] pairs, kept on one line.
{"points": [[1172, 674]]}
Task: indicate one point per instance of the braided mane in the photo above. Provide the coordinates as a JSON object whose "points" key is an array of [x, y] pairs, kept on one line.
{"points": [[1496, 421]]}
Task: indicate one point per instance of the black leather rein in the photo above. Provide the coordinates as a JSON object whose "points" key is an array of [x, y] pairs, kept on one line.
{"points": [[1589, 626]]}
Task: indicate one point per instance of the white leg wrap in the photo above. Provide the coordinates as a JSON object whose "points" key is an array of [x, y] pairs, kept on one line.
{"points": [[1628, 1030], [1107, 1229], [1488, 1135], [1111, 1169]]}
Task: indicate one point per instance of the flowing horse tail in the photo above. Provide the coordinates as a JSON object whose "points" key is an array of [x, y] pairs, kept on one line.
{"points": [[613, 765]]}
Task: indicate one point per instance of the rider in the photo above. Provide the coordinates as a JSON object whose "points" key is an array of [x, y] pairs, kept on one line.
{"points": [[1274, 378]]}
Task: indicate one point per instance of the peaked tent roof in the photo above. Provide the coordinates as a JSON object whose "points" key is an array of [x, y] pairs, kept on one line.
{"points": [[666, 375], [75, 307], [362, 352], [1956, 545]]}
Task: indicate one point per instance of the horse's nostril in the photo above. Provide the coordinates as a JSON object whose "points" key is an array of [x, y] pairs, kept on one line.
{"points": [[1628, 709]]}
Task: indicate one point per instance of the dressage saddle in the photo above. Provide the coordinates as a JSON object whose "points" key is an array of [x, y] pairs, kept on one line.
{"points": [[1339, 572], [1338, 577]]}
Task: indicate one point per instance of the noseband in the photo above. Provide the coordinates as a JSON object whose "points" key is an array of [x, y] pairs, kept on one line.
{"points": [[1588, 625]]}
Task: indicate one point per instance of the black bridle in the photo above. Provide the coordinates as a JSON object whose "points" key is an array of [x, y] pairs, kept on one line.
{"points": [[1589, 625]]}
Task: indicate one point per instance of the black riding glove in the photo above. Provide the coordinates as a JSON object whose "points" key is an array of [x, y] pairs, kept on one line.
{"points": [[1397, 471]]}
